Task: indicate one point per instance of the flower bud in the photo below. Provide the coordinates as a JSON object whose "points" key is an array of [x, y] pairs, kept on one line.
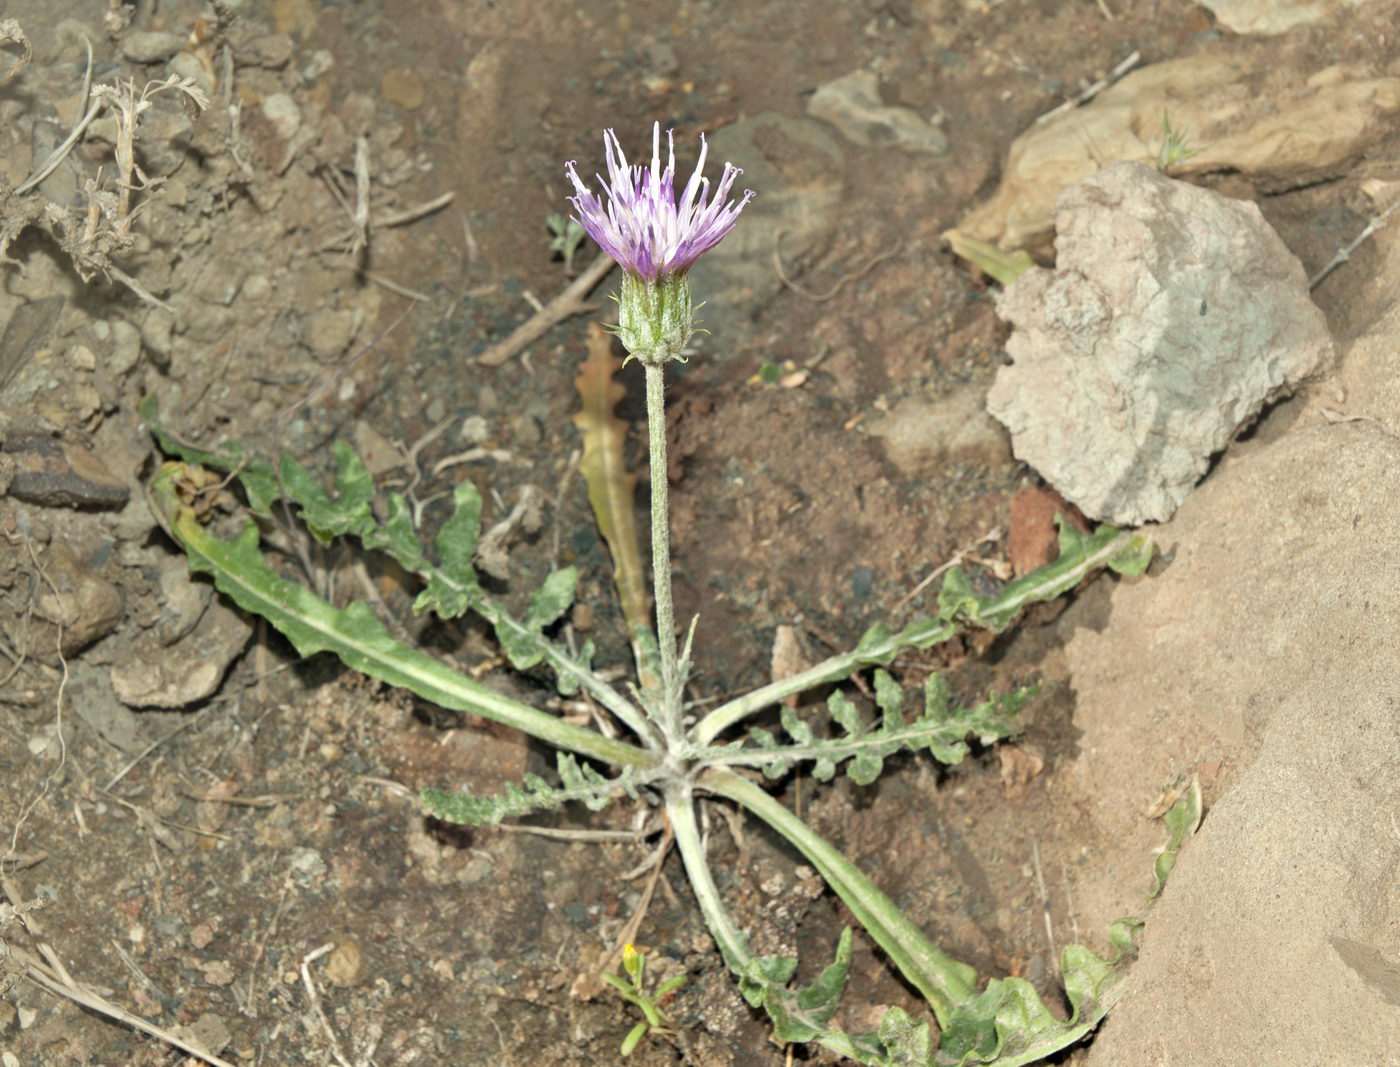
{"points": [[655, 319]]}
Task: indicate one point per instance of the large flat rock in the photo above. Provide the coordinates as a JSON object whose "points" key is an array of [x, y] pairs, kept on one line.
{"points": [[1266, 657]]}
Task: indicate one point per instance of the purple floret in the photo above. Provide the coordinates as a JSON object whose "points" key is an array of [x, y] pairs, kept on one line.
{"points": [[642, 226]]}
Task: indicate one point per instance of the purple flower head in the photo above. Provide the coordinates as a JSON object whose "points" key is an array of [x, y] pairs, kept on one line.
{"points": [[643, 227]]}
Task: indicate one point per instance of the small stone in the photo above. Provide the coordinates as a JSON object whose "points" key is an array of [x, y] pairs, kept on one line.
{"points": [[380, 455], [156, 331], [91, 696], [922, 434], [271, 51], [210, 1032], [81, 357], [77, 599], [293, 16], [186, 65], [852, 104], [175, 193], [47, 472], [525, 429], [256, 287], [126, 348], [150, 46], [346, 966], [218, 972], [475, 430], [317, 64], [282, 111], [308, 866], [329, 332], [184, 600], [220, 282], [85, 402], [1269, 17], [1033, 539], [153, 675]]}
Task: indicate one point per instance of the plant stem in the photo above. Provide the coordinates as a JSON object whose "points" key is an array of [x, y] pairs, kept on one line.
{"points": [[670, 710], [680, 809], [943, 981]]}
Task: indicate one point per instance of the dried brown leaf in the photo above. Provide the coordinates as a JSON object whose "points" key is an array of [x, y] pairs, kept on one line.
{"points": [[610, 486]]}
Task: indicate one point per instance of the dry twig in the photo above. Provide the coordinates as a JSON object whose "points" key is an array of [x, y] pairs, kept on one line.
{"points": [[817, 298], [1344, 253], [568, 303], [1094, 90], [53, 976]]}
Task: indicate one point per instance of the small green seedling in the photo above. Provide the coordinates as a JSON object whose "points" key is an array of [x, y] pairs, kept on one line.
{"points": [[633, 990], [1175, 148], [568, 234]]}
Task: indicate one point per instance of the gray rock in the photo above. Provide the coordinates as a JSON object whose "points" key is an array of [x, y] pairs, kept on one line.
{"points": [[47, 472], [282, 111], [176, 675], [1172, 317], [184, 601], [922, 434], [272, 51], [77, 599], [852, 104], [329, 332], [798, 171], [89, 693], [156, 331], [126, 348], [1269, 17], [1261, 651], [150, 46]]}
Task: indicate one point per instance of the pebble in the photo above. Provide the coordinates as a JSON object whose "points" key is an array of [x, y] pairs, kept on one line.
{"points": [[852, 104], [282, 111], [329, 332], [51, 474], [126, 348], [186, 65], [156, 331], [271, 51], [256, 287], [176, 675], [346, 967], [475, 429], [308, 866], [81, 358], [77, 598], [150, 46]]}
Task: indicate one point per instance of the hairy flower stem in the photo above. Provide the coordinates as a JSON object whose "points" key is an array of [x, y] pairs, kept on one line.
{"points": [[669, 711], [680, 809]]}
